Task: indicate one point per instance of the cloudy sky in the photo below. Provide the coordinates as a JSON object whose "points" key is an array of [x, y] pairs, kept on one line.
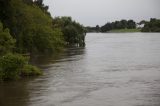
{"points": [[93, 12]]}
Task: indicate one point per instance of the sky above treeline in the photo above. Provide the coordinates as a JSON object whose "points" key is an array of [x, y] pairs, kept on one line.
{"points": [[93, 12]]}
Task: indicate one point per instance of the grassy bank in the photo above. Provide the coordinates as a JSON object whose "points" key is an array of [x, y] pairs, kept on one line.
{"points": [[124, 30]]}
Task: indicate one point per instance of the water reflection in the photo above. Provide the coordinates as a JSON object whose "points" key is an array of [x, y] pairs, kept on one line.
{"points": [[14, 93], [50, 59]]}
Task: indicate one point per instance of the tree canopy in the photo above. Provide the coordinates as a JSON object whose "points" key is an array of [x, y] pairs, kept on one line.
{"points": [[73, 32], [7, 42], [123, 24], [33, 28], [26, 27], [152, 26]]}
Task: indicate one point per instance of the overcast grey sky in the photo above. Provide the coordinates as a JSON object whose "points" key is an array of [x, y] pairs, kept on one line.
{"points": [[93, 12]]}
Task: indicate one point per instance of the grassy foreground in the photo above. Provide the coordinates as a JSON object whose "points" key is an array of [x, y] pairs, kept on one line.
{"points": [[124, 30]]}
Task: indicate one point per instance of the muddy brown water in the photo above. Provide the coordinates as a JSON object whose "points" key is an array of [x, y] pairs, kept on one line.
{"points": [[114, 69]]}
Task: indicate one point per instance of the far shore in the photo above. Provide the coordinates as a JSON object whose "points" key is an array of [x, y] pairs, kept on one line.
{"points": [[124, 30]]}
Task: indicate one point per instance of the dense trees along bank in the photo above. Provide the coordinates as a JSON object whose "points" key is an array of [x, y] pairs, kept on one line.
{"points": [[151, 26], [123, 24], [27, 27], [13, 65], [128, 26], [73, 32]]}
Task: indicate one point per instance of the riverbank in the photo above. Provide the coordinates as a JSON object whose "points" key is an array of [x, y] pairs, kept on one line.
{"points": [[124, 30]]}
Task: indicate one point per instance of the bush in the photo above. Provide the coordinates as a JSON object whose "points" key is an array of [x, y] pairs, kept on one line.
{"points": [[11, 65], [29, 70]]}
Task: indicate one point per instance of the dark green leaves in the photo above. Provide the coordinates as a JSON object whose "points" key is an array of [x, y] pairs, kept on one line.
{"points": [[7, 43]]}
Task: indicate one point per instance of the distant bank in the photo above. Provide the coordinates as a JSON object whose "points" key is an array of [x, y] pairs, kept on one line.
{"points": [[127, 26], [124, 30]]}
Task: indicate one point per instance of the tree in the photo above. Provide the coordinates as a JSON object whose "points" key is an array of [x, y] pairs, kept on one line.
{"points": [[73, 32], [7, 43], [107, 27], [97, 28], [43, 7], [27, 22], [28, 1], [124, 24], [152, 26], [131, 24]]}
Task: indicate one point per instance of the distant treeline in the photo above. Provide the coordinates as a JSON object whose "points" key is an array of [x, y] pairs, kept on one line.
{"points": [[151, 26], [123, 24], [147, 26]]}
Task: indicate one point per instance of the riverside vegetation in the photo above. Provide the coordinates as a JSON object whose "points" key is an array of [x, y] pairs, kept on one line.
{"points": [[26, 27], [128, 26], [151, 26]]}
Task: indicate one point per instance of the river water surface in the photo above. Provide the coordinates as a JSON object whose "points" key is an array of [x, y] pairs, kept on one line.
{"points": [[114, 69]]}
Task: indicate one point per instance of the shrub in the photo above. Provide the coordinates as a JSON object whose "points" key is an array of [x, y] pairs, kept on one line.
{"points": [[29, 70], [11, 65]]}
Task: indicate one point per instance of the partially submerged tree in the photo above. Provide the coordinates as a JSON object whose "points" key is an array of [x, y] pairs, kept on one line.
{"points": [[73, 32]]}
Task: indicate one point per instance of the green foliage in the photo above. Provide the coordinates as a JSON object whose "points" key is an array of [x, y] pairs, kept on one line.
{"points": [[73, 32], [35, 22], [58, 39], [40, 4], [31, 26], [124, 30], [70, 34], [117, 25], [48, 40], [34, 29], [11, 65], [123, 24], [29, 70], [152, 26], [7, 43]]}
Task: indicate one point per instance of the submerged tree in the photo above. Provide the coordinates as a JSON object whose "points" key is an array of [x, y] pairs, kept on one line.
{"points": [[73, 32], [35, 30]]}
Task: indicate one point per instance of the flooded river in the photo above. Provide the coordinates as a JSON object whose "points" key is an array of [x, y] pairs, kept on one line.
{"points": [[114, 69]]}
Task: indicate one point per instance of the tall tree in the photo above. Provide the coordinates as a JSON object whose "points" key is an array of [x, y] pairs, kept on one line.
{"points": [[73, 32], [152, 26], [131, 24], [7, 42]]}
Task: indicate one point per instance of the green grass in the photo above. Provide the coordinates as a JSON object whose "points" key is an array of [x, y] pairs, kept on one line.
{"points": [[124, 30]]}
